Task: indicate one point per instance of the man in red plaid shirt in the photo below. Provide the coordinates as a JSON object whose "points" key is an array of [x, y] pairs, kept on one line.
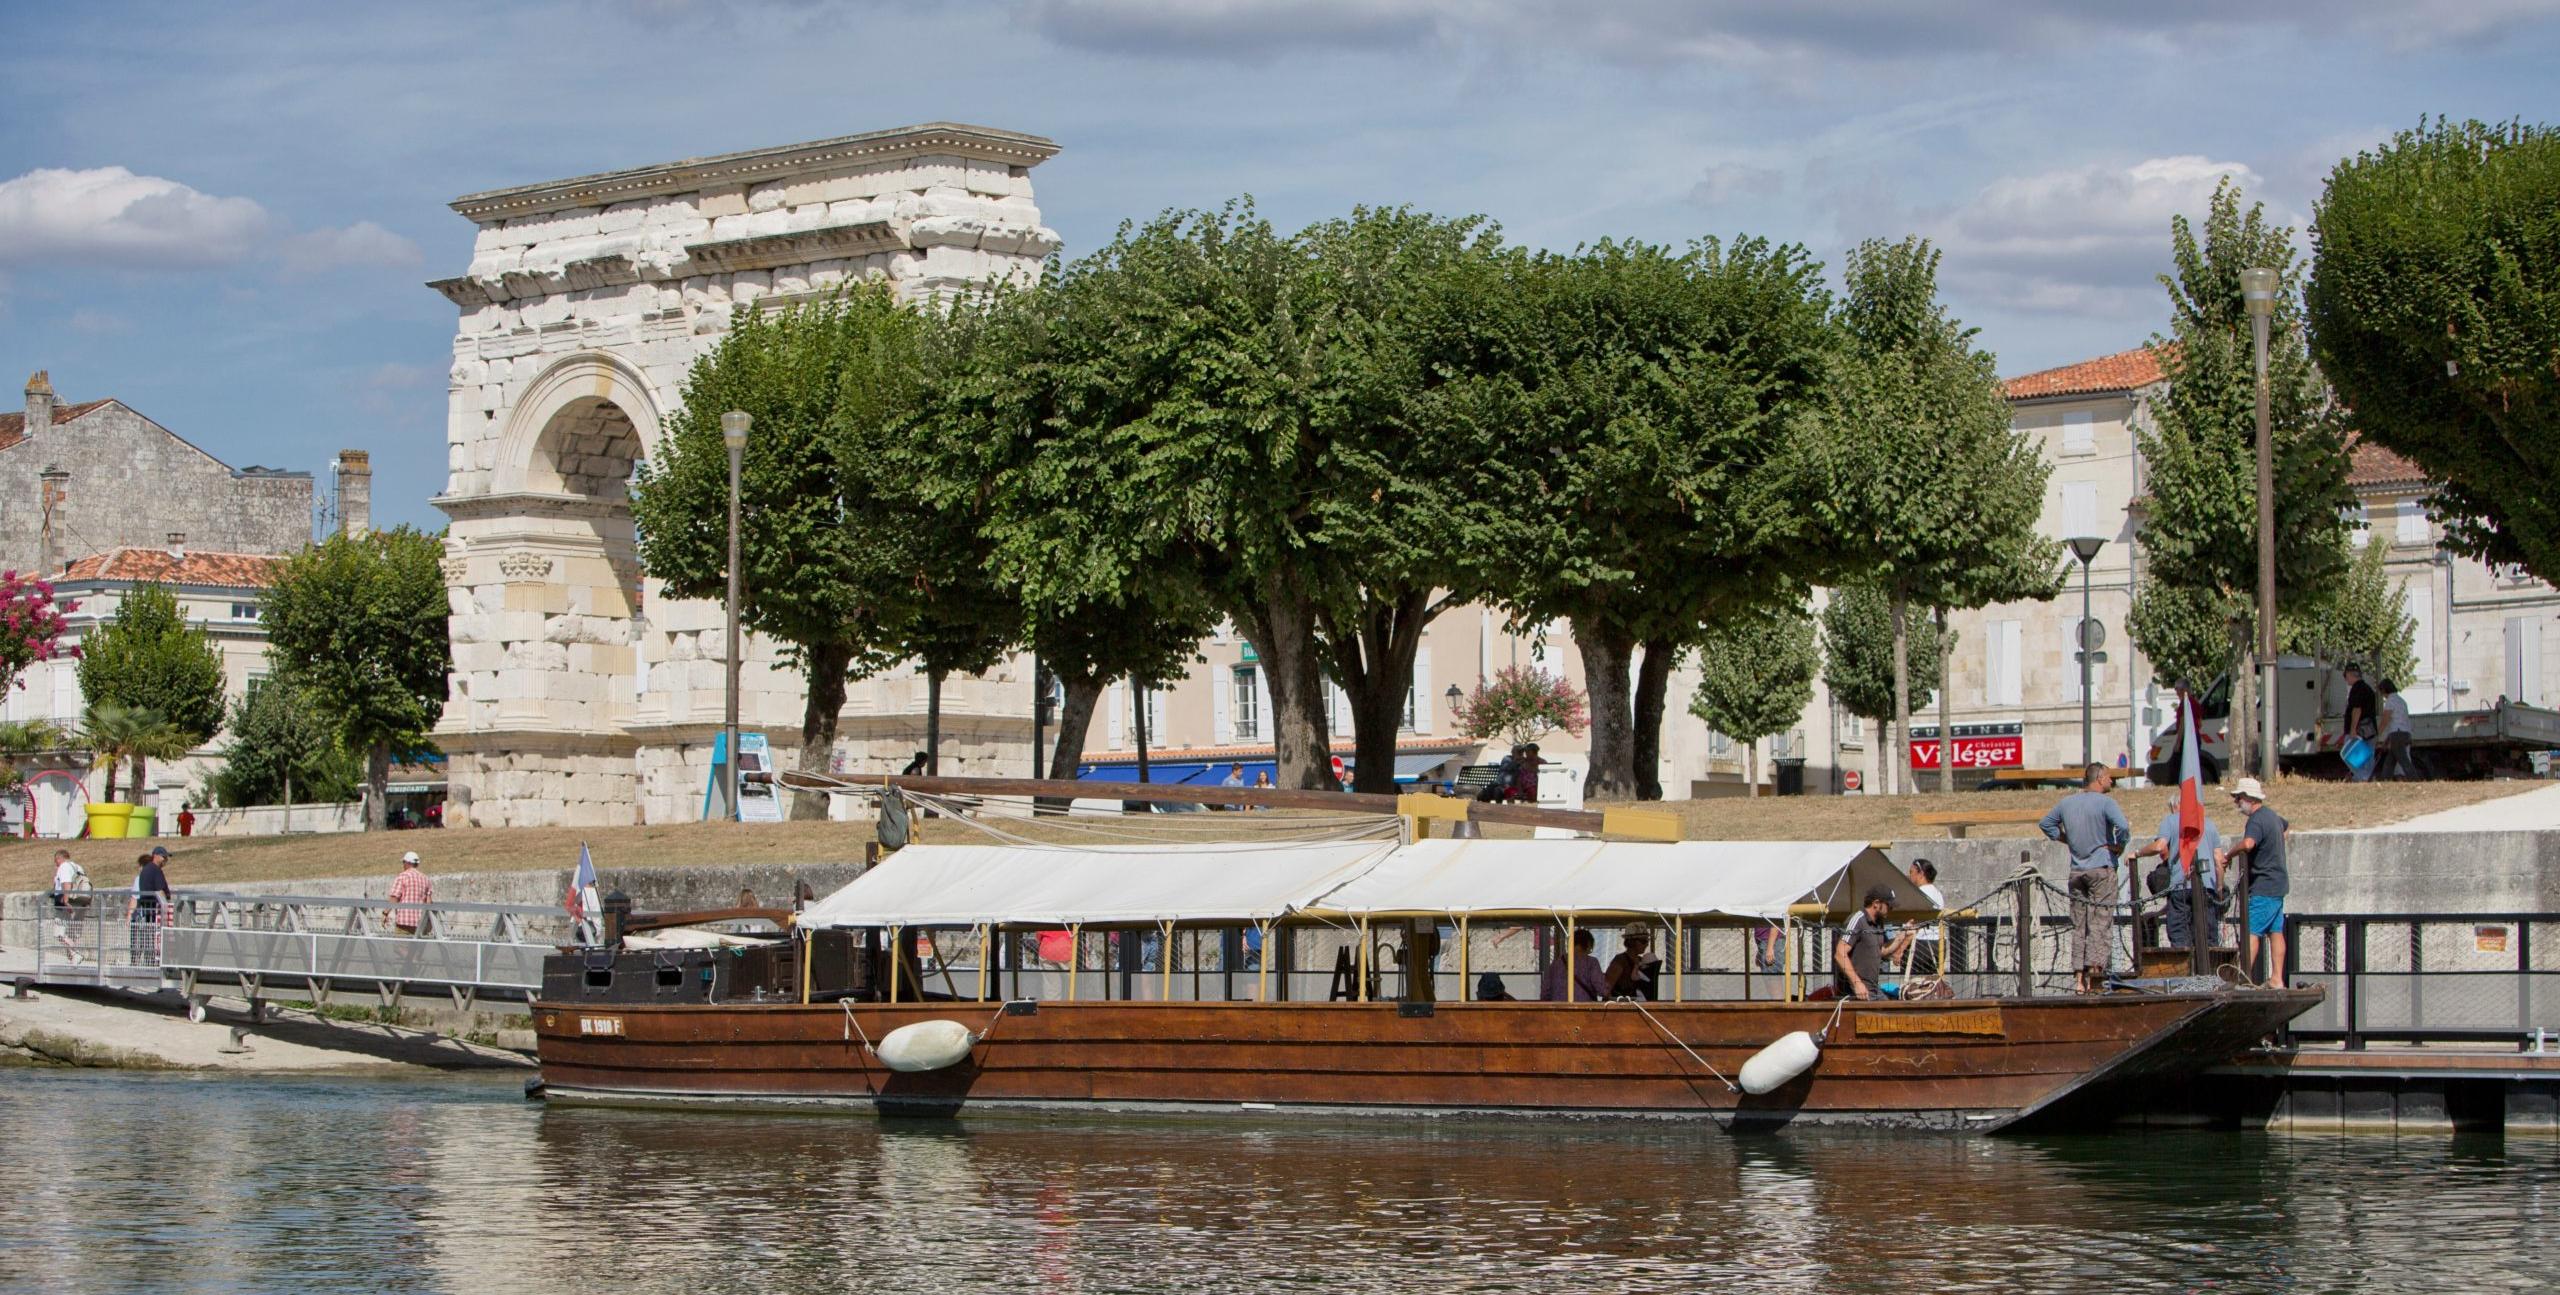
{"points": [[410, 887]]}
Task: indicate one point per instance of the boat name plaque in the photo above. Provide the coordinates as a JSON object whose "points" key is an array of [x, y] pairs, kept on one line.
{"points": [[1973, 1020]]}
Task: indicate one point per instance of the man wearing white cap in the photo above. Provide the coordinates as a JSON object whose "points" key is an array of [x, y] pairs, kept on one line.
{"points": [[2262, 839], [411, 887]]}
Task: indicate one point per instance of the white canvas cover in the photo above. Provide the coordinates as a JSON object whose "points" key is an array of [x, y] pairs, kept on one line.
{"points": [[965, 885], [1742, 879]]}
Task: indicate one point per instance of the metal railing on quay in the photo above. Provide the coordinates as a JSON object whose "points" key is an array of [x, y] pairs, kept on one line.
{"points": [[2427, 977], [316, 942], [100, 937]]}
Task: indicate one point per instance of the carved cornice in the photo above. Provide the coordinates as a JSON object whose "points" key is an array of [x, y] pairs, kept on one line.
{"points": [[518, 504], [768, 251], [523, 565], [759, 166]]}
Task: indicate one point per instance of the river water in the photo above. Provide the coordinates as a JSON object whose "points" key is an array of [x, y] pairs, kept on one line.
{"points": [[140, 1182]]}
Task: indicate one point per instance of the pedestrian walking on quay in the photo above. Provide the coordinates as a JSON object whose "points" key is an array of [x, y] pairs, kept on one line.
{"points": [[70, 896], [408, 890], [154, 905], [2262, 840], [2092, 827]]}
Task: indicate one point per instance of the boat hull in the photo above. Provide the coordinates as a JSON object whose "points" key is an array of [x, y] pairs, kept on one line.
{"points": [[1982, 1065]]}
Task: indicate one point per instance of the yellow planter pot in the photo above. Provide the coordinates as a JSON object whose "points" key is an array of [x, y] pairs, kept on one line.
{"points": [[109, 822]]}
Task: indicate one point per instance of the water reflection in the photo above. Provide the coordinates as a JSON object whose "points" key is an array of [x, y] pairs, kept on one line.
{"points": [[175, 1183]]}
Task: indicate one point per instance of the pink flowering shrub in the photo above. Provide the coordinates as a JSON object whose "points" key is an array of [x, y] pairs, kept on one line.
{"points": [[33, 624], [1523, 704]]}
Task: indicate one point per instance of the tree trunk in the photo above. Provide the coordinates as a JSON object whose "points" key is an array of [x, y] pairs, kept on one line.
{"points": [[1281, 626], [135, 791], [1751, 769], [1902, 694], [1606, 664], [1082, 697], [113, 764], [825, 665], [933, 722], [2240, 729], [377, 783], [1875, 759], [1653, 687], [1373, 660], [1946, 730]]}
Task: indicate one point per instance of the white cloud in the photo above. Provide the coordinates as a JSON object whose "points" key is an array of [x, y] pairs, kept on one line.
{"points": [[2087, 239], [109, 216], [362, 243], [1726, 182], [98, 323]]}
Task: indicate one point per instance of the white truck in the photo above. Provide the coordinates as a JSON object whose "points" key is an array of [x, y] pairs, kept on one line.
{"points": [[2312, 705]]}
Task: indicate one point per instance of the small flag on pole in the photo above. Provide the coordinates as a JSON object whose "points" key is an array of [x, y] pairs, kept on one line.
{"points": [[581, 885]]}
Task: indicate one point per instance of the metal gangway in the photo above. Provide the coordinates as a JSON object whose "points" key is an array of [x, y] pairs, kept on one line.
{"points": [[310, 946]]}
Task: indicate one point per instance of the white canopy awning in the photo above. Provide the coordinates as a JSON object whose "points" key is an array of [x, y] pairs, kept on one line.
{"points": [[1022, 885], [1743, 879]]}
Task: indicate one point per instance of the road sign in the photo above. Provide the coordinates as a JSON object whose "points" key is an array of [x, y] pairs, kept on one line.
{"points": [[2093, 633], [1851, 780]]}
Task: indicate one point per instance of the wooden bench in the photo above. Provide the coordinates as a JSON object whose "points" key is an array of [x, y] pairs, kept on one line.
{"points": [[2010, 778], [1959, 821], [1473, 779]]}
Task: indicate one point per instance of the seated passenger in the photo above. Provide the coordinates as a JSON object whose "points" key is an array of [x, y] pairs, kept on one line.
{"points": [[1588, 984], [1489, 989], [1635, 972]]}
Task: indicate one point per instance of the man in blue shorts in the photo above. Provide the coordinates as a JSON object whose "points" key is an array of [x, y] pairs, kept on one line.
{"points": [[2262, 840]]}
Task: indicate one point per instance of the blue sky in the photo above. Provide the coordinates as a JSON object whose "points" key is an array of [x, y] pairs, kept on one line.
{"points": [[223, 214]]}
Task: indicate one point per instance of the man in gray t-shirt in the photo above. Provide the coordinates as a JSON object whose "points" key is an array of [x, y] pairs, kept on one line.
{"points": [[2092, 826]]}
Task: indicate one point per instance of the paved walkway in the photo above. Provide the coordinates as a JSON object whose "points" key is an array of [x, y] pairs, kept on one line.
{"points": [[128, 1031], [2523, 812]]}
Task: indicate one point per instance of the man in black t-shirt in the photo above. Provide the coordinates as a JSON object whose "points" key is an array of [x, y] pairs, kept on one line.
{"points": [[1857, 961], [2363, 709]]}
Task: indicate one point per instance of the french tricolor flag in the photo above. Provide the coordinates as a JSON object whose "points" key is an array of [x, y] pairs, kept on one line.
{"points": [[576, 900], [2190, 790]]}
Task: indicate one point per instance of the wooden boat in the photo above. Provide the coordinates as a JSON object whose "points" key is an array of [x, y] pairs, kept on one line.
{"points": [[1982, 1064]]}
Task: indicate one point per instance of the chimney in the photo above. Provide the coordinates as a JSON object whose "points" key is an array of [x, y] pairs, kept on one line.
{"points": [[178, 545], [355, 492], [56, 493], [39, 405]]}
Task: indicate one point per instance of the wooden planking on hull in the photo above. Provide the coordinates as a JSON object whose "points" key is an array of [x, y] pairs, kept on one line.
{"points": [[2002, 1056]]}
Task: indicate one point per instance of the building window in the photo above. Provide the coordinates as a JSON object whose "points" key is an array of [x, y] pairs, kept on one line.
{"points": [[2079, 508], [2001, 685], [245, 611], [2360, 519], [1853, 730], [1246, 699], [2080, 432], [2413, 523]]}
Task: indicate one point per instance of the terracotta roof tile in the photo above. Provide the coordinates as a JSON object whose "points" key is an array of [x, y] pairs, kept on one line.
{"points": [[13, 427], [2371, 467], [2122, 371], [220, 570]]}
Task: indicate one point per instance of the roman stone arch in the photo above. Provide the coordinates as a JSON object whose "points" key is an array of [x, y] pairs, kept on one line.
{"points": [[580, 695]]}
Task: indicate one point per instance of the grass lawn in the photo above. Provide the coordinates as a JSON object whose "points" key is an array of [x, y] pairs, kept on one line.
{"points": [[27, 865]]}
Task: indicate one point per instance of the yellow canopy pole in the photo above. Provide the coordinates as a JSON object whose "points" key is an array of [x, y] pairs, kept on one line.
{"points": [[982, 962], [1362, 989], [1569, 968], [1679, 955], [1466, 978], [896, 956], [1075, 957], [1164, 964], [1262, 966], [1790, 955], [808, 955]]}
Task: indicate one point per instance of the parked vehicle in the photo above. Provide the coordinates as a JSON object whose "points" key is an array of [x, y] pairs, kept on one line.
{"points": [[2312, 705]]}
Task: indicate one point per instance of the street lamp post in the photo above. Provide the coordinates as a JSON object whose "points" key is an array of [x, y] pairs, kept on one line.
{"points": [[2085, 548], [733, 434], [2258, 293]]}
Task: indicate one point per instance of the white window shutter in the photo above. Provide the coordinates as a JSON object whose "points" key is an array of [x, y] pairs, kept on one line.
{"points": [[2413, 522], [1118, 705], [2079, 508], [1221, 710], [2079, 432], [2422, 613], [2524, 660], [1262, 710], [1423, 712]]}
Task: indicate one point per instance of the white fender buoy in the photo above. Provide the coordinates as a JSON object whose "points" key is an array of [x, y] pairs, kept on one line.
{"points": [[1775, 1066], [925, 1045]]}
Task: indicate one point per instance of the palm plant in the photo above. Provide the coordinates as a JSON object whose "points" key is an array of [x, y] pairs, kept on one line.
{"points": [[114, 733], [20, 738]]}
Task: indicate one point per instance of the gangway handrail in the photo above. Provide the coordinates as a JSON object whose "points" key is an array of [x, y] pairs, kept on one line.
{"points": [[363, 901]]}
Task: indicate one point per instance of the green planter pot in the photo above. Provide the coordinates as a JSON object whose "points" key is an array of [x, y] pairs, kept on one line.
{"points": [[144, 821]]}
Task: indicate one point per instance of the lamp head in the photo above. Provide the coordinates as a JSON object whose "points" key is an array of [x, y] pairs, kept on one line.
{"points": [[1454, 695], [2085, 547], [2258, 291], [733, 428]]}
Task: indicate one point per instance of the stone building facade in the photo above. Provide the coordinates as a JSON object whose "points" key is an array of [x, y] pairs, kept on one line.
{"points": [[87, 477], [580, 695]]}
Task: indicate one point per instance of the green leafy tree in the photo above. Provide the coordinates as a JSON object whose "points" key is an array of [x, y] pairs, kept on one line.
{"points": [[2201, 537], [840, 559], [2435, 309], [147, 656], [1521, 704], [359, 622], [114, 733], [282, 749], [2186, 632], [1670, 487], [2364, 619], [1755, 676], [1930, 493], [1858, 653]]}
